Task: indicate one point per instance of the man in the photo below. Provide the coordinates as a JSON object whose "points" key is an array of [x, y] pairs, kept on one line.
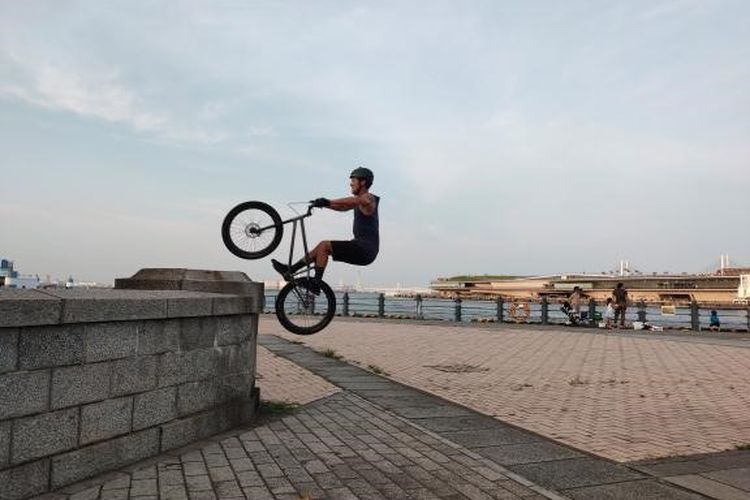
{"points": [[621, 303], [360, 251], [575, 299]]}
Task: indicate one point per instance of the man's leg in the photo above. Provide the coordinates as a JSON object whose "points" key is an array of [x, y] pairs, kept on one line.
{"points": [[622, 316], [317, 256]]}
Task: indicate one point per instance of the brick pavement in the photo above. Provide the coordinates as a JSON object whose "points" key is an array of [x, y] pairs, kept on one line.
{"points": [[284, 381], [618, 395], [340, 447]]}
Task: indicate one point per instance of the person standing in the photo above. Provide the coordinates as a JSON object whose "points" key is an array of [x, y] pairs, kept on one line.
{"points": [[620, 295], [575, 299]]}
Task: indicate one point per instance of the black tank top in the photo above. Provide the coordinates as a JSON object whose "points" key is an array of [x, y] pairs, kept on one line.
{"points": [[366, 227]]}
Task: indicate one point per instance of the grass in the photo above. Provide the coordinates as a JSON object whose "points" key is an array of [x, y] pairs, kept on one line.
{"points": [[278, 407], [577, 381], [330, 353], [377, 370], [744, 446]]}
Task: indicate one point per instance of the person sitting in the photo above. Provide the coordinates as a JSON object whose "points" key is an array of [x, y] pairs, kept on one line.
{"points": [[713, 322]]}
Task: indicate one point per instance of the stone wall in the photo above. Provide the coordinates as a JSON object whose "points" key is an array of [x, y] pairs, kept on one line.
{"points": [[91, 381]]}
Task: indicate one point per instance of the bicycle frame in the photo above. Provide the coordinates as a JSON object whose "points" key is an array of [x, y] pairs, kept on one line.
{"points": [[295, 221]]}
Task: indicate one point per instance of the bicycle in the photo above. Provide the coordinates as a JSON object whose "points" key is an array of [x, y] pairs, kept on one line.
{"points": [[254, 229]]}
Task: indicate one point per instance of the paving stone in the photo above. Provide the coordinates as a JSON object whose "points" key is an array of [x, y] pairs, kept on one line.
{"points": [[144, 487], [114, 494], [490, 437], [575, 472], [23, 393], [738, 478], [106, 419], [198, 483], [106, 341], [631, 490], [77, 385], [49, 346], [45, 434], [709, 487], [426, 412], [526, 453]]}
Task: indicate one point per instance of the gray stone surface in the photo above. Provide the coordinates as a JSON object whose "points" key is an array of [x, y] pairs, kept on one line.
{"points": [[158, 336], [48, 346], [235, 329], [709, 487], [86, 462], [8, 349], [193, 397], [76, 385], [24, 481], [4, 443], [155, 407], [481, 438], [739, 477], [107, 419], [199, 280], [28, 308], [575, 473], [527, 453], [92, 305], [188, 304], [132, 375], [432, 411], [43, 435], [237, 386], [105, 341], [232, 304], [196, 333], [189, 429], [23, 393], [178, 368], [631, 490]]}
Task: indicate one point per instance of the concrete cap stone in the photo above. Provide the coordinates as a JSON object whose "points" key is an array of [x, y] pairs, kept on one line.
{"points": [[28, 308]]}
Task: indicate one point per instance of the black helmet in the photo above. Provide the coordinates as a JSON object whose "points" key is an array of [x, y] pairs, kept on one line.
{"points": [[364, 174]]}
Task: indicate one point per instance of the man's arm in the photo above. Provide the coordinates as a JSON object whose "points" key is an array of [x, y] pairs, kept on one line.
{"points": [[351, 202]]}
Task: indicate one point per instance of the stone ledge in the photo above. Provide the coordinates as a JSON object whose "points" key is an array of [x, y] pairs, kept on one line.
{"points": [[55, 307]]}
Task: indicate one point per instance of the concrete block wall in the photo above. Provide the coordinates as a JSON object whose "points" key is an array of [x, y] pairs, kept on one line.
{"points": [[91, 381]]}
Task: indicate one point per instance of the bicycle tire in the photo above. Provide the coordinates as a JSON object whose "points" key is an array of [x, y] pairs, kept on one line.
{"points": [[236, 231], [315, 323]]}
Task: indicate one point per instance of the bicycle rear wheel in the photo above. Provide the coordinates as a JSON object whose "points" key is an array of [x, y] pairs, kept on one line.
{"points": [[252, 230], [302, 312]]}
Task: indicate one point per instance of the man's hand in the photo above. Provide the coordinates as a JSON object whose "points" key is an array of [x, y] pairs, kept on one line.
{"points": [[321, 202]]}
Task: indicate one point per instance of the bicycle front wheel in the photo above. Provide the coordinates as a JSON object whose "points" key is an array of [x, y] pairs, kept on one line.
{"points": [[301, 311], [252, 230]]}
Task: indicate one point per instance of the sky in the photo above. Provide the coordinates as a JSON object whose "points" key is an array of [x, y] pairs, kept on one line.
{"points": [[506, 137]]}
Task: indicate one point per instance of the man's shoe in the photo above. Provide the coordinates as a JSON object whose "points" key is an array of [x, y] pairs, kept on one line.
{"points": [[282, 269], [313, 286]]}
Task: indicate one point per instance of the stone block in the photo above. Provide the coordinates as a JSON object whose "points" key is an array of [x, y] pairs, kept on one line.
{"points": [[196, 396], [107, 419], [527, 453], [575, 473], [43, 435], [193, 428], [197, 333], [133, 375], [158, 336], [104, 341], [4, 443], [83, 463], [23, 393], [235, 304], [178, 368], [91, 305], [189, 304], [155, 407], [235, 329], [8, 349], [49, 346], [24, 481], [236, 387], [28, 308], [76, 385]]}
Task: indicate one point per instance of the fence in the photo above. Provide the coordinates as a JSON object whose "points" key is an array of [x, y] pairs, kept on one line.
{"points": [[692, 316]]}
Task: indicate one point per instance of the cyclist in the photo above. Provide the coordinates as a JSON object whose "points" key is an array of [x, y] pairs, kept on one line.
{"points": [[360, 251]]}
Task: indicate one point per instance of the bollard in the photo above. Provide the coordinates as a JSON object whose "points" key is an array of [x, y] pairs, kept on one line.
{"points": [[458, 310], [694, 316], [545, 311], [419, 307], [748, 319], [592, 312], [500, 310], [381, 305], [642, 311], [345, 312]]}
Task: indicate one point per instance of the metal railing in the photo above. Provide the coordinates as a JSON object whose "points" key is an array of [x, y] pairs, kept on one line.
{"points": [[693, 316]]}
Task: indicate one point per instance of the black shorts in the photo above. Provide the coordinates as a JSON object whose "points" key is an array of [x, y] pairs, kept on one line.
{"points": [[357, 252]]}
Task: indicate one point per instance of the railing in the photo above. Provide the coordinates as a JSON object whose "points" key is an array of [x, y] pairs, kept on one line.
{"points": [[692, 316]]}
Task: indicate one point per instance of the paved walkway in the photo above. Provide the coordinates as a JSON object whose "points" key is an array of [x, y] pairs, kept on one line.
{"points": [[620, 395]]}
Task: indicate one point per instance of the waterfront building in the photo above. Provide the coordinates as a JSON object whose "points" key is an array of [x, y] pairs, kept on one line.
{"points": [[10, 278]]}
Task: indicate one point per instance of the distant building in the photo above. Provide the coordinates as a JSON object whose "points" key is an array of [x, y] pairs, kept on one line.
{"points": [[10, 278]]}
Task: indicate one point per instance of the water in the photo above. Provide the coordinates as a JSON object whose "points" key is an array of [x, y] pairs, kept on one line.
{"points": [[364, 303]]}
